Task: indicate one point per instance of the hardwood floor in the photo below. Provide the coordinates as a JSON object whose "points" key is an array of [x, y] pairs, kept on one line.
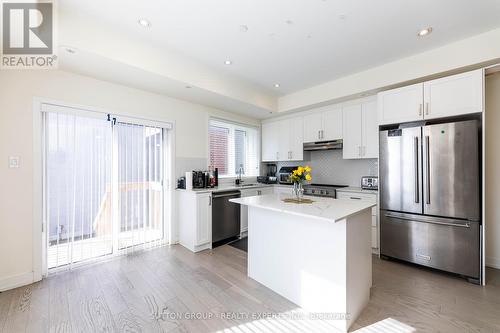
{"points": [[161, 290]]}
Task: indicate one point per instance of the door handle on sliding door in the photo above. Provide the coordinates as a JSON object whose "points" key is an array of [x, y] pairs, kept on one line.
{"points": [[415, 156], [427, 170]]}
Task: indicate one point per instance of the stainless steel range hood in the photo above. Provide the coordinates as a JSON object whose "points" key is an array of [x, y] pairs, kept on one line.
{"points": [[323, 145]]}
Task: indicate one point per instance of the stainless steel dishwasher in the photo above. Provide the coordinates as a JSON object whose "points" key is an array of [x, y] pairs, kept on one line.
{"points": [[225, 217]]}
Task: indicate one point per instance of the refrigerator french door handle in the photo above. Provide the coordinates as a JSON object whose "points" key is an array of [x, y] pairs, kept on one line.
{"points": [[428, 170], [415, 148]]}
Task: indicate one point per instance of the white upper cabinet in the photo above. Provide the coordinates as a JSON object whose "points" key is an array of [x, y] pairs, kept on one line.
{"points": [[352, 132], [454, 95], [296, 139], [446, 97], [369, 130], [324, 124], [283, 140], [313, 124], [270, 141], [360, 131], [401, 105], [332, 124]]}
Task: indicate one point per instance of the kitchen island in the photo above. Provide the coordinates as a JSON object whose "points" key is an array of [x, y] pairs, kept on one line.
{"points": [[317, 255]]}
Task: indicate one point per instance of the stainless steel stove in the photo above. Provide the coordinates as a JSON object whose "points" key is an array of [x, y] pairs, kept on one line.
{"points": [[322, 190]]}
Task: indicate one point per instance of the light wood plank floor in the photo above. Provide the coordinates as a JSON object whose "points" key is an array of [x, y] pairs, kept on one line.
{"points": [[161, 289]]}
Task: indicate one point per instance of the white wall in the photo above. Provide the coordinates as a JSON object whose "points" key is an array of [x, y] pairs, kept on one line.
{"points": [[493, 170], [478, 49], [17, 91]]}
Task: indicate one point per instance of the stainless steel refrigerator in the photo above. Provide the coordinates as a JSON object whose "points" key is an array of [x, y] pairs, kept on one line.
{"points": [[430, 196]]}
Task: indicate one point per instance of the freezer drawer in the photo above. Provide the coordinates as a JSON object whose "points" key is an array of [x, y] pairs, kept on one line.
{"points": [[446, 244]]}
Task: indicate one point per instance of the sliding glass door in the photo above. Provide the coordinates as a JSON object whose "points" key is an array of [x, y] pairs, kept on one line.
{"points": [[140, 184], [104, 189]]}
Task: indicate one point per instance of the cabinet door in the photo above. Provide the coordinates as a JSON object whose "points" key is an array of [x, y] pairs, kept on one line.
{"points": [[332, 124], [204, 219], [454, 95], [296, 139], [283, 136], [265, 190], [369, 130], [352, 131], [313, 127], [270, 142], [244, 209], [401, 105]]}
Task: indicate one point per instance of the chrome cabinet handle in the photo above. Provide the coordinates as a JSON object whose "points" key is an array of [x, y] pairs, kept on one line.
{"points": [[319, 134], [355, 198], [415, 150], [359, 150], [210, 201], [428, 170], [427, 108], [420, 106]]}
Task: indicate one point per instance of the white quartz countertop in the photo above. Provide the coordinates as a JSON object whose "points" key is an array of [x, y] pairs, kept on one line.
{"points": [[223, 188], [329, 209]]}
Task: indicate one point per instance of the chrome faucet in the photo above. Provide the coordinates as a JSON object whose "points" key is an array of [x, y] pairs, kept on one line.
{"points": [[238, 179]]}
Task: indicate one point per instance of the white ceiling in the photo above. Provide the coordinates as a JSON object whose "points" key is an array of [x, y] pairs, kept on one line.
{"points": [[297, 43]]}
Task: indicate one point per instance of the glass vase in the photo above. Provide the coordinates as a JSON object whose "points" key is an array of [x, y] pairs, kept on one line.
{"points": [[298, 191]]}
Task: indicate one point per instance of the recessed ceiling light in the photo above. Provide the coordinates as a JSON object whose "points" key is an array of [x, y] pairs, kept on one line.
{"points": [[228, 62], [424, 32], [144, 22], [276, 85], [243, 28]]}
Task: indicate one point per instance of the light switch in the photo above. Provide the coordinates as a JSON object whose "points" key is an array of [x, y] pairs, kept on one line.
{"points": [[13, 162]]}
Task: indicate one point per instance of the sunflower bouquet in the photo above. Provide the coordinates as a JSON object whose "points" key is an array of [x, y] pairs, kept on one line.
{"points": [[301, 174]]}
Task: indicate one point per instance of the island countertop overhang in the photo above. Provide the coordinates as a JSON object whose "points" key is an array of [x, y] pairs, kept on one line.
{"points": [[327, 209]]}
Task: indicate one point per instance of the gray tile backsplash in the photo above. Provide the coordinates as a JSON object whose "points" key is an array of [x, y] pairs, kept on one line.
{"points": [[328, 167]]}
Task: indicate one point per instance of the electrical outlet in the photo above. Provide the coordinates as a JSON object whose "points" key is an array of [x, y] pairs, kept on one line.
{"points": [[13, 162]]}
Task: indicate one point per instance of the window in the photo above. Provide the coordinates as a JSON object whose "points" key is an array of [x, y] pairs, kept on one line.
{"points": [[232, 147]]}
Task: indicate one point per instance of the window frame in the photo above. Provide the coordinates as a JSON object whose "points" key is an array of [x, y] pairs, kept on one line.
{"points": [[236, 126]]}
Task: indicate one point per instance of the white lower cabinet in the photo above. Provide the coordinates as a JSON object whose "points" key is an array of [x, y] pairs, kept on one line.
{"points": [[369, 197], [282, 189], [244, 209], [195, 220]]}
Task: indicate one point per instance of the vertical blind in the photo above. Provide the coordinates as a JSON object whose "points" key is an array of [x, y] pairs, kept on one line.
{"points": [[78, 164], [233, 146], [103, 185], [140, 184]]}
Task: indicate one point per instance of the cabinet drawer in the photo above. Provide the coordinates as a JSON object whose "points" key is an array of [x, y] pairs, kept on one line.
{"points": [[357, 196]]}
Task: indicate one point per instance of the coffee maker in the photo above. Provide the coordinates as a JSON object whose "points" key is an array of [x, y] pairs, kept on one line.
{"points": [[270, 177]]}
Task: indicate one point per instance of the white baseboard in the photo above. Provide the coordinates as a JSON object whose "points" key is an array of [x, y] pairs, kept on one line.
{"points": [[493, 262], [15, 281]]}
